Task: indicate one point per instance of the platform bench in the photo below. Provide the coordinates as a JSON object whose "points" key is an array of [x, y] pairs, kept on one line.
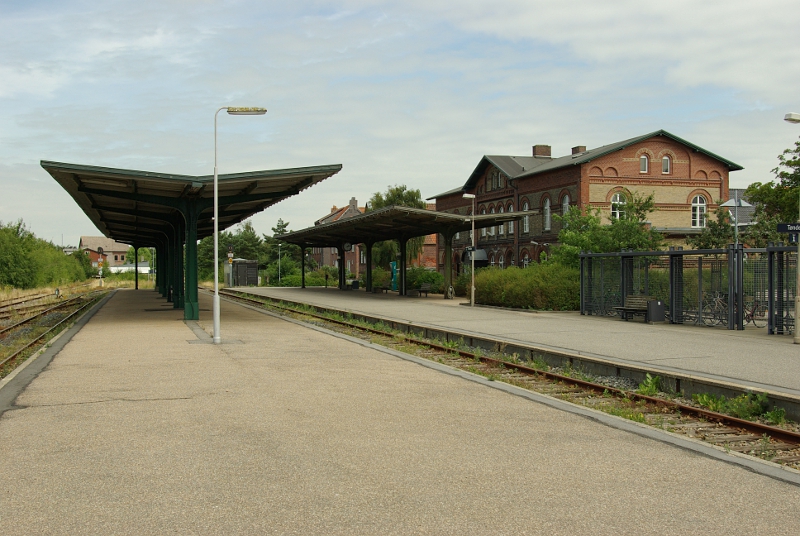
{"points": [[425, 287], [377, 289], [634, 305]]}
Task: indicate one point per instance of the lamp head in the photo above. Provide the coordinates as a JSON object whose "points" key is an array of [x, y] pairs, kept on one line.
{"points": [[792, 117], [234, 110], [468, 196]]}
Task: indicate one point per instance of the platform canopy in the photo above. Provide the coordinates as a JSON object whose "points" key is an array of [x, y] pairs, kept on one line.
{"points": [[168, 212], [131, 206], [393, 223]]}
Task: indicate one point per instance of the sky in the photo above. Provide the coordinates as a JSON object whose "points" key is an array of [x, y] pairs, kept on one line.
{"points": [[400, 93]]}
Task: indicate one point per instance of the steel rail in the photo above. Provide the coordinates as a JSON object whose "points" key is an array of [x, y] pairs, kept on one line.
{"points": [[42, 313], [37, 339], [750, 426]]}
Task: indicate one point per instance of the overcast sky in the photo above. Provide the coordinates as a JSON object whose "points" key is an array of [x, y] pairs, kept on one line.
{"points": [[411, 92]]}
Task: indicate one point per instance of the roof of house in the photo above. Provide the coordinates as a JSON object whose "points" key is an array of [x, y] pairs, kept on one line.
{"points": [[516, 167], [108, 244], [348, 211]]}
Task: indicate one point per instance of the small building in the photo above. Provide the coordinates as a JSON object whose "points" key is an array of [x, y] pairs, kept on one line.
{"points": [[115, 251], [96, 258], [143, 268]]}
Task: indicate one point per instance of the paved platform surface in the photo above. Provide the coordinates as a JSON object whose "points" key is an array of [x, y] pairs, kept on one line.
{"points": [[750, 357], [139, 427]]}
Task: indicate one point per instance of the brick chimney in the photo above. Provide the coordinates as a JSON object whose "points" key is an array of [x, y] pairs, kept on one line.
{"points": [[541, 150], [579, 149]]}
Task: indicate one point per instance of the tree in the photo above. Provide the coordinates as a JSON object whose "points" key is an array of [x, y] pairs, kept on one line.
{"points": [[145, 255], [775, 201], [716, 234], [385, 252], [584, 231]]}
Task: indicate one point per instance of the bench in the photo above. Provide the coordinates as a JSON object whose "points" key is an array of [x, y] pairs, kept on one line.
{"points": [[377, 289], [634, 305], [425, 287]]}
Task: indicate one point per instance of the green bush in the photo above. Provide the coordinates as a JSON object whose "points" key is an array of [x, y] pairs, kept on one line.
{"points": [[549, 286], [416, 276]]}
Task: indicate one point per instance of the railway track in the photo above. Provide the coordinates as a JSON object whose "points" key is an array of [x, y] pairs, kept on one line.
{"points": [[21, 339], [667, 411]]}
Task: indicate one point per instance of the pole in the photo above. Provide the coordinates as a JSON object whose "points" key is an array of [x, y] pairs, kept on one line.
{"points": [[279, 263], [797, 284], [217, 338], [472, 256]]}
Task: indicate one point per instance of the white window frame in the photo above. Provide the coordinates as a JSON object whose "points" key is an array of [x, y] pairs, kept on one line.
{"points": [[502, 261], [618, 202], [511, 223], [644, 164], [491, 229], [526, 224], [565, 204], [699, 209], [666, 165], [526, 260], [502, 226], [547, 218], [483, 229]]}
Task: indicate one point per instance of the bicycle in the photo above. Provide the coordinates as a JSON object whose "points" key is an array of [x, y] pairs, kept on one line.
{"points": [[756, 313], [715, 311]]}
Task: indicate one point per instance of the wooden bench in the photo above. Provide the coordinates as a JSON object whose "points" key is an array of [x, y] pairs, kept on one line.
{"points": [[425, 287], [634, 305], [377, 289]]}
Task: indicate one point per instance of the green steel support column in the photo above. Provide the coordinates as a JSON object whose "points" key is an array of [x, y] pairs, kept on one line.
{"points": [[401, 277], [302, 267], [160, 270], [368, 281], [448, 261], [191, 310], [342, 273], [177, 267], [169, 267], [136, 266], [179, 273]]}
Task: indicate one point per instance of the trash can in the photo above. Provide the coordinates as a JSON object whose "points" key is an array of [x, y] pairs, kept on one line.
{"points": [[655, 311], [355, 284]]}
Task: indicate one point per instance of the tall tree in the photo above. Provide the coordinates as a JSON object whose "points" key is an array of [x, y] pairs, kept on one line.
{"points": [[717, 234], [775, 201], [385, 252], [584, 231]]}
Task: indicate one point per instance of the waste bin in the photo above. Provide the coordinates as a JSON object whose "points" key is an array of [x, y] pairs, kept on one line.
{"points": [[655, 311], [354, 284]]}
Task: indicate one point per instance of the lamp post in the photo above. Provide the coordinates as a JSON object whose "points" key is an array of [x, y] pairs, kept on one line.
{"points": [[279, 263], [795, 118], [231, 111], [472, 253]]}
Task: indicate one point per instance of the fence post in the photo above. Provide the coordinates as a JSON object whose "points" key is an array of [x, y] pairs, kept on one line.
{"points": [[583, 291], [770, 290], [740, 286]]}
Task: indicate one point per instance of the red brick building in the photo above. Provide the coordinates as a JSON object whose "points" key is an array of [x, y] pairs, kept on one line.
{"points": [[687, 182]]}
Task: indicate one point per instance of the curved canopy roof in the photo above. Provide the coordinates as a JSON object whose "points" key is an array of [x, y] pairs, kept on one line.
{"points": [[137, 206], [390, 223]]}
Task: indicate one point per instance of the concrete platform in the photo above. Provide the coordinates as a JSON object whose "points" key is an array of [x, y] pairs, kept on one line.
{"points": [[750, 357], [135, 429]]}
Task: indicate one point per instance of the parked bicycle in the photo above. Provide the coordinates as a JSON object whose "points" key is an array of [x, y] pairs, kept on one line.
{"points": [[715, 310], [755, 313]]}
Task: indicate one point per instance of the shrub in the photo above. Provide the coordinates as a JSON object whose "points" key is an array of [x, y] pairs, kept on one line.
{"points": [[416, 276], [549, 286]]}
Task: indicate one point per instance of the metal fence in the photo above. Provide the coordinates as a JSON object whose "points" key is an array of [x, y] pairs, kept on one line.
{"points": [[729, 288]]}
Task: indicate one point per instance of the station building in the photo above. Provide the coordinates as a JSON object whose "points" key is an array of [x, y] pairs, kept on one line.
{"points": [[687, 182]]}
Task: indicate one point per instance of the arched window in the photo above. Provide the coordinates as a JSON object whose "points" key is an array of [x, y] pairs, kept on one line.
{"points": [[698, 211], [526, 224], [491, 229], [565, 204], [483, 229], [501, 261], [666, 165], [511, 223], [502, 227], [618, 206], [644, 164], [526, 260], [547, 214], [491, 260]]}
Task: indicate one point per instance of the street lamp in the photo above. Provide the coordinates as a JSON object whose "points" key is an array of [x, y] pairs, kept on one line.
{"points": [[231, 111], [736, 203], [472, 253], [279, 263], [795, 118]]}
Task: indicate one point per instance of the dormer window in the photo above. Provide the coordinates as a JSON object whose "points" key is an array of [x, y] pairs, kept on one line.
{"points": [[665, 165], [644, 163]]}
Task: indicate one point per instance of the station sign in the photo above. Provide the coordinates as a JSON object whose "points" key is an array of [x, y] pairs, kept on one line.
{"points": [[789, 227]]}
